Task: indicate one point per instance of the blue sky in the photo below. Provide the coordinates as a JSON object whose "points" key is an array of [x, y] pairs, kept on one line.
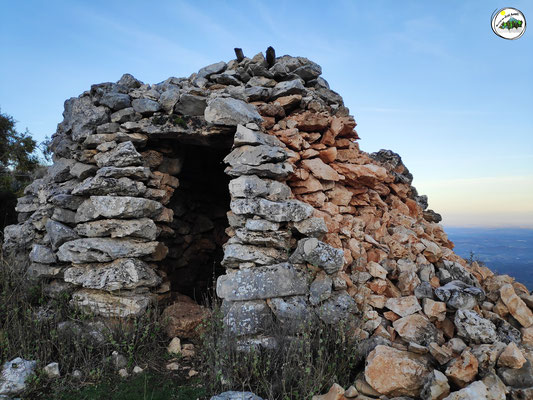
{"points": [[429, 80]]}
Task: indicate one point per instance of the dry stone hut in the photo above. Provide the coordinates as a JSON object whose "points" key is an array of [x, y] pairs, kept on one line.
{"points": [[250, 172]]}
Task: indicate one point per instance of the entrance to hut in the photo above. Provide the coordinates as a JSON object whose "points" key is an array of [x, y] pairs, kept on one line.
{"points": [[200, 204]]}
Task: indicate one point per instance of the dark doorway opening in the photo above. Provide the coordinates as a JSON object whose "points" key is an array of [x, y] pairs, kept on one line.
{"points": [[200, 204]]}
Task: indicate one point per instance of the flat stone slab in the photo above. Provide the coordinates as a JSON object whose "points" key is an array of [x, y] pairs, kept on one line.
{"points": [[143, 228], [232, 112], [117, 207], [127, 304], [88, 250], [124, 273], [276, 211], [236, 396], [262, 283]]}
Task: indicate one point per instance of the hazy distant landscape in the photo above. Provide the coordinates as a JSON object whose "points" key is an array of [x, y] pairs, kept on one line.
{"points": [[506, 251]]}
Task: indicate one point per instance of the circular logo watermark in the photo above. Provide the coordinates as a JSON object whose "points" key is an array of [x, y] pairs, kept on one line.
{"points": [[508, 23]]}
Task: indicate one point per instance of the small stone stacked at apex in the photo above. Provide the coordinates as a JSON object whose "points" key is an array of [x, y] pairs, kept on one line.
{"points": [[318, 229]]}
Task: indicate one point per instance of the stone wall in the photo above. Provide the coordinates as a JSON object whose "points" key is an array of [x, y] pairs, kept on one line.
{"points": [[134, 207], [250, 172]]}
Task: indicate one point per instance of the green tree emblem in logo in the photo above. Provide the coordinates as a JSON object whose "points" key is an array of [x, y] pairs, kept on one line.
{"points": [[512, 23]]}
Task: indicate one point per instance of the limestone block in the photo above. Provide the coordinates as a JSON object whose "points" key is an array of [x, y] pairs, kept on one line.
{"points": [[262, 283], [124, 273]]}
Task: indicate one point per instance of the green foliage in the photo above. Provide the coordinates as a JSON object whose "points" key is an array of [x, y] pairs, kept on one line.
{"points": [[16, 148], [297, 367], [173, 119], [19, 164], [177, 120]]}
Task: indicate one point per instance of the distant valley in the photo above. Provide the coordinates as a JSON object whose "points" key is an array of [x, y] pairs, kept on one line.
{"points": [[505, 251]]}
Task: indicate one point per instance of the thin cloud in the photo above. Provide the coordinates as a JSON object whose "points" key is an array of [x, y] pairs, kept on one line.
{"points": [[186, 11], [146, 39]]}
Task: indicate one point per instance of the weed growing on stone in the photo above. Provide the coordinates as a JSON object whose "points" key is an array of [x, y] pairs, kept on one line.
{"points": [[284, 364]]}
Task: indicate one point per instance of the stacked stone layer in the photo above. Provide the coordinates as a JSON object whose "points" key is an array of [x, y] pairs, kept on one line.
{"points": [[318, 229]]}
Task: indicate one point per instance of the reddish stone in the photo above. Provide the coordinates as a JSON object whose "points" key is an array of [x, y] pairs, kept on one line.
{"points": [[330, 208], [300, 174], [435, 282], [289, 102], [343, 126], [271, 110], [414, 208], [373, 255], [311, 121], [327, 185], [319, 146], [447, 327], [322, 171], [501, 309], [399, 205], [435, 310], [360, 200], [336, 392], [527, 335], [516, 306], [328, 155], [463, 370], [344, 276], [433, 252], [343, 143], [333, 240], [346, 224], [310, 185], [480, 272], [339, 195], [400, 189], [316, 199], [328, 138], [392, 290], [347, 155], [368, 174], [347, 209], [184, 319], [268, 122], [378, 286], [394, 372], [380, 232], [291, 138], [311, 137], [357, 190], [294, 156], [391, 316], [520, 289], [309, 153]]}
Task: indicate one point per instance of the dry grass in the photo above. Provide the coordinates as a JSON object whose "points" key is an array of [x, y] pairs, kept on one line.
{"points": [[297, 367], [36, 327]]}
